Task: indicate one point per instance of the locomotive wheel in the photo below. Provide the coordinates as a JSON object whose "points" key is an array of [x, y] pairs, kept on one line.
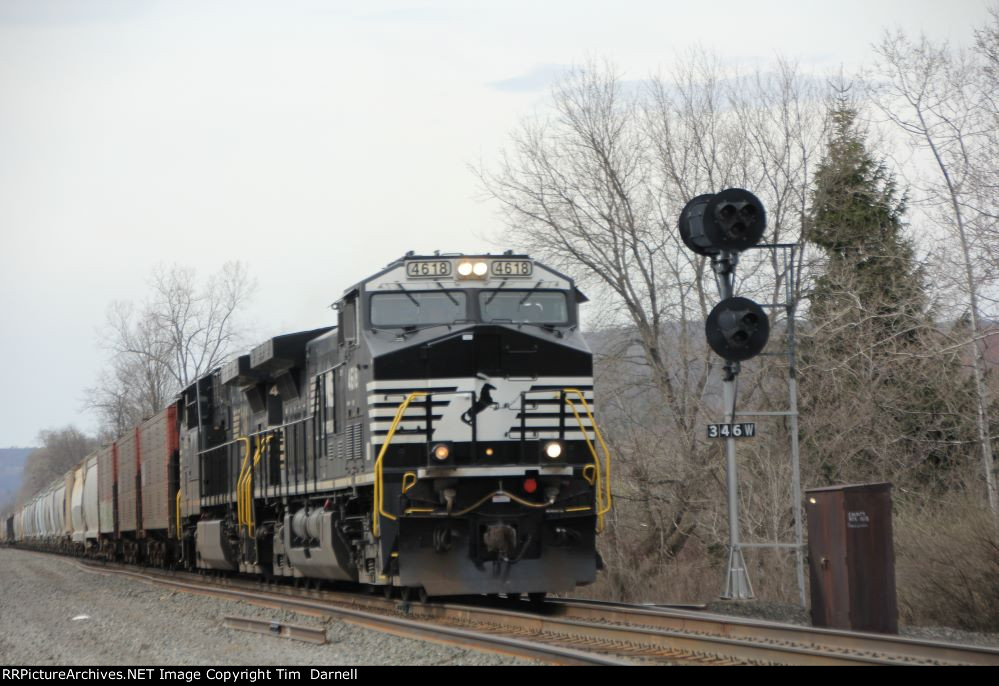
{"points": [[405, 592], [388, 590], [537, 598], [423, 595]]}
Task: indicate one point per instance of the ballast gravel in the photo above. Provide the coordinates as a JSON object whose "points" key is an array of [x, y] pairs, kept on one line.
{"points": [[53, 612]]}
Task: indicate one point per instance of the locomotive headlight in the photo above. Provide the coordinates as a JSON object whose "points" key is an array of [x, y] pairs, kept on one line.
{"points": [[442, 451], [553, 450], [472, 270]]}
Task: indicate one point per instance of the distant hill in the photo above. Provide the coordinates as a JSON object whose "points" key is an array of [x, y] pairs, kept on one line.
{"points": [[11, 470]]}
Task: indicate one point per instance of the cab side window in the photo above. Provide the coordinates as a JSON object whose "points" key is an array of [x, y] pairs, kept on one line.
{"points": [[347, 322]]}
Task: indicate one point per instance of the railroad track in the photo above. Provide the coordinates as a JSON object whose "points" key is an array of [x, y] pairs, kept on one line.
{"points": [[882, 647], [383, 620], [575, 631]]}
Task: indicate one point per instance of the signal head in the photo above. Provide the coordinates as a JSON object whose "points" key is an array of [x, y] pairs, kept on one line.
{"points": [[733, 219], [737, 329]]}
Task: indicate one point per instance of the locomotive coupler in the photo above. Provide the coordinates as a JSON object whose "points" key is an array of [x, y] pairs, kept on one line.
{"points": [[500, 538]]}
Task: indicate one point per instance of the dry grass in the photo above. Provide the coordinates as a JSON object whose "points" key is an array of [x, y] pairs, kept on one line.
{"points": [[946, 552], [696, 575], [947, 564]]}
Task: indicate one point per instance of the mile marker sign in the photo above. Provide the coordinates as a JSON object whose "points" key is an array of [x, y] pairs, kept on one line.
{"points": [[743, 430]]}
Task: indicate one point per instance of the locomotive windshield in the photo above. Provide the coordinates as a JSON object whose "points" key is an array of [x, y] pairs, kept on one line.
{"points": [[413, 308], [528, 307]]}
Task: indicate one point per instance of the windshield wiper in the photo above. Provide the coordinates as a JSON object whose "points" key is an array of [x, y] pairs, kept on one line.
{"points": [[408, 295], [413, 328], [454, 300], [528, 294], [547, 327], [495, 293], [551, 328]]}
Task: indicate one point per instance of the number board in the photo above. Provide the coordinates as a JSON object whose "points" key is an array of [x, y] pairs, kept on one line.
{"points": [[511, 268], [744, 430], [428, 268]]}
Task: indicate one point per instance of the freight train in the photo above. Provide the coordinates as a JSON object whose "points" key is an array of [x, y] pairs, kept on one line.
{"points": [[440, 439]]}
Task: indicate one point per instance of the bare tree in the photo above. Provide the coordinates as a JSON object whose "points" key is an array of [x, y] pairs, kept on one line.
{"points": [[935, 96], [196, 326], [183, 330], [62, 449]]}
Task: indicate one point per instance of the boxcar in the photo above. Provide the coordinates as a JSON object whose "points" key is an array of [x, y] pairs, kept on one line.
{"points": [[158, 449], [129, 502], [158, 444]]}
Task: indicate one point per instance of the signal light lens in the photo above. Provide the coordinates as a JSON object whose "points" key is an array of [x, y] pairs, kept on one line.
{"points": [[465, 269], [480, 268], [553, 450], [530, 485], [442, 452]]}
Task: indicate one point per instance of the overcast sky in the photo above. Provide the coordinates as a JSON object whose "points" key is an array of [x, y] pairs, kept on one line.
{"points": [[313, 140]]}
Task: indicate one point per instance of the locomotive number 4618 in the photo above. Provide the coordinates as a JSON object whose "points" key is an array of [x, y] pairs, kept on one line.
{"points": [[428, 268], [511, 268]]}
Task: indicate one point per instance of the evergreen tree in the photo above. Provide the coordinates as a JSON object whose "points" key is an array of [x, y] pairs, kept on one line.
{"points": [[856, 219], [876, 404]]}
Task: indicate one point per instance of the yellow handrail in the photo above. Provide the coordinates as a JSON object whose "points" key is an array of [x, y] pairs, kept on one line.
{"points": [[248, 483], [239, 481], [243, 485], [379, 506], [409, 480], [602, 484], [240, 505], [244, 516]]}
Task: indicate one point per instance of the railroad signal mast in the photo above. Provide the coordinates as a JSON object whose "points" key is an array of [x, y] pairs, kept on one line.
{"points": [[720, 226]]}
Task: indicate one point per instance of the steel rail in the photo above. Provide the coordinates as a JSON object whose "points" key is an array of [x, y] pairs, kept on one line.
{"points": [[603, 643], [897, 648], [642, 643], [381, 622]]}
